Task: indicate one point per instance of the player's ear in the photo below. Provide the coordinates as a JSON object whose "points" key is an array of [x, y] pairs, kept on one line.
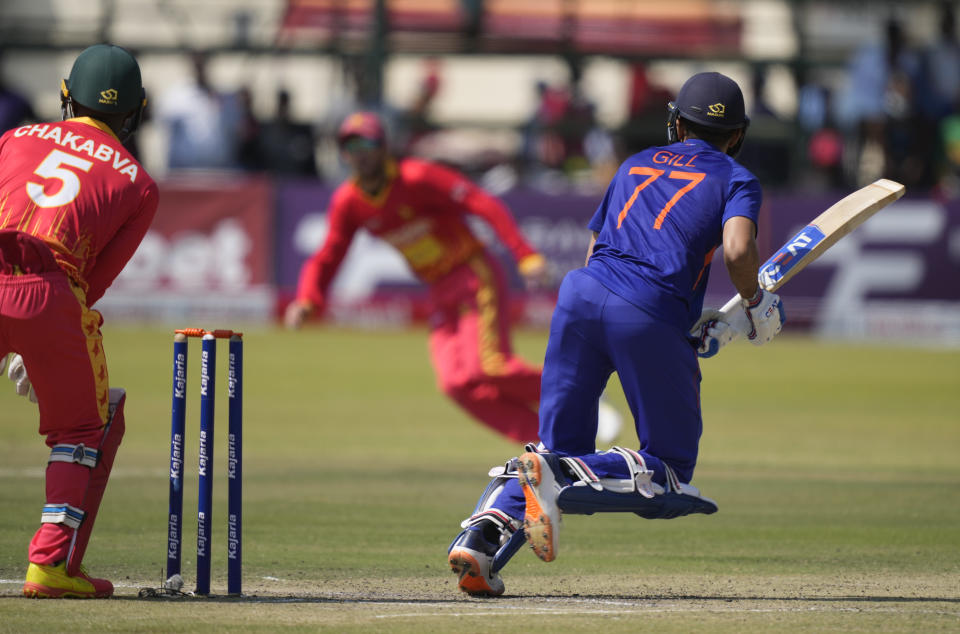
{"points": [[681, 130], [735, 147], [66, 101], [736, 142], [131, 122]]}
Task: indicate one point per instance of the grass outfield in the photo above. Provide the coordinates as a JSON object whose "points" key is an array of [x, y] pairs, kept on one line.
{"points": [[835, 467]]}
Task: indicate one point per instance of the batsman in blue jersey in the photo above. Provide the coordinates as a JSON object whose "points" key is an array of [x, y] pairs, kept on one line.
{"points": [[636, 309]]}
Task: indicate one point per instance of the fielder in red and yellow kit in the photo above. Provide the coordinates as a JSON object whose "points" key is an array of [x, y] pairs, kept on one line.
{"points": [[74, 206], [420, 208]]}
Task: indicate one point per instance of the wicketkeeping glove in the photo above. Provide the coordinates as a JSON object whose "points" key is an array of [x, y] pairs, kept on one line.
{"points": [[766, 315], [17, 372]]}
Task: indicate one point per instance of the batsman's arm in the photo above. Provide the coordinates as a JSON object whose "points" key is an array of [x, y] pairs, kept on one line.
{"points": [[714, 329], [753, 312], [823, 232], [740, 254], [763, 310]]}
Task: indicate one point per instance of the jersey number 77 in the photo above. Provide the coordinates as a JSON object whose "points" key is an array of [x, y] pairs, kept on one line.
{"points": [[693, 179]]}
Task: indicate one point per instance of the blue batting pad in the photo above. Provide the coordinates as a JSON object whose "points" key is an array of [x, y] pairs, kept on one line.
{"points": [[581, 500]]}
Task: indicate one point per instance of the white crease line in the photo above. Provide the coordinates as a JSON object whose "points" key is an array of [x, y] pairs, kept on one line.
{"points": [[20, 582], [116, 585]]}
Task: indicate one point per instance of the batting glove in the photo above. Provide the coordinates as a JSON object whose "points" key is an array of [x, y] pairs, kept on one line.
{"points": [[17, 372], [766, 315], [713, 332]]}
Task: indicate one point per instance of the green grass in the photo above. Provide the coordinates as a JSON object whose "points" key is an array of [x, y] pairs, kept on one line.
{"points": [[835, 467]]}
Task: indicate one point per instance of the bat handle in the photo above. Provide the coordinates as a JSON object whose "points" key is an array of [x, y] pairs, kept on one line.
{"points": [[731, 306]]}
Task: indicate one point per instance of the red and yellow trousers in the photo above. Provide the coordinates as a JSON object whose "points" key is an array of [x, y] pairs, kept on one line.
{"points": [[471, 351], [44, 318]]}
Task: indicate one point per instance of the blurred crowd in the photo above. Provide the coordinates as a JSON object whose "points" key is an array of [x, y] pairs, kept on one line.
{"points": [[209, 128], [896, 114]]}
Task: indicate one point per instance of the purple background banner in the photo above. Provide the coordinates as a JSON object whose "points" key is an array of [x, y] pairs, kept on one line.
{"points": [[923, 229], [906, 256], [296, 200]]}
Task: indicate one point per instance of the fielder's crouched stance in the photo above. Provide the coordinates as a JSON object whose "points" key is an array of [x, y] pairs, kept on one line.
{"points": [[634, 309], [74, 206]]}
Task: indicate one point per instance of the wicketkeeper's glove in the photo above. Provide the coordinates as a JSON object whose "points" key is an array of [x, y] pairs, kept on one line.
{"points": [[17, 372]]}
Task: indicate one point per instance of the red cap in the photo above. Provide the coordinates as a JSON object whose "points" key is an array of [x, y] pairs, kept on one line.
{"points": [[366, 125]]}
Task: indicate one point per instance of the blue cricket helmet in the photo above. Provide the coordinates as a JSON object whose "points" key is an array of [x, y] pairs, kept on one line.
{"points": [[709, 99]]}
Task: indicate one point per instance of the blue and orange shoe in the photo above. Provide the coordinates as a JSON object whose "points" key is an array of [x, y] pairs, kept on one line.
{"points": [[53, 582], [540, 482], [471, 558]]}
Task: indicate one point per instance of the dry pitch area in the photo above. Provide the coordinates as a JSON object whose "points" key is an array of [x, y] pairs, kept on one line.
{"points": [[879, 603]]}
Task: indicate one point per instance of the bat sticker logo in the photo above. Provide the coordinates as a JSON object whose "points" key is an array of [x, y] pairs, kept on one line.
{"points": [[789, 254]]}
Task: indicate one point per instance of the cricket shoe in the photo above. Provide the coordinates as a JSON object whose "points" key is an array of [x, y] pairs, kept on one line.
{"points": [[53, 582], [538, 474], [470, 558]]}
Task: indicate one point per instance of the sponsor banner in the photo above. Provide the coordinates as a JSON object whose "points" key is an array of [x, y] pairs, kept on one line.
{"points": [[207, 259], [892, 277]]}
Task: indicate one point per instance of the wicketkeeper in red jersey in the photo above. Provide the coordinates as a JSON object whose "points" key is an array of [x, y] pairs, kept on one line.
{"points": [[74, 206], [421, 209]]}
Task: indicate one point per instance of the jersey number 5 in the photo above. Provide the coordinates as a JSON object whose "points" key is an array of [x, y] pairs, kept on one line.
{"points": [[53, 167], [652, 174]]}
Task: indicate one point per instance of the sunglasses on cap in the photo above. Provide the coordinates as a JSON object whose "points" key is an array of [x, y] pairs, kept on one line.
{"points": [[359, 144]]}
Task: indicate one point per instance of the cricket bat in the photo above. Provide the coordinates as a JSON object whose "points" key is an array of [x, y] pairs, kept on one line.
{"points": [[818, 236]]}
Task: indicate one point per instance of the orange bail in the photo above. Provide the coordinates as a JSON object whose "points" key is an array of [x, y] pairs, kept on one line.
{"points": [[200, 332]]}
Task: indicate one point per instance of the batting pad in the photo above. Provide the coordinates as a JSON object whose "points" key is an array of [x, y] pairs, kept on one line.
{"points": [[584, 500]]}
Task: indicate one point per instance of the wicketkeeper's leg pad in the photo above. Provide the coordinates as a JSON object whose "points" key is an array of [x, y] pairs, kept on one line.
{"points": [[76, 478], [99, 475]]}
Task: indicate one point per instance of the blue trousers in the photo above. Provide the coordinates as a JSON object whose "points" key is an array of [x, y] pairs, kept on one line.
{"points": [[594, 333]]}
